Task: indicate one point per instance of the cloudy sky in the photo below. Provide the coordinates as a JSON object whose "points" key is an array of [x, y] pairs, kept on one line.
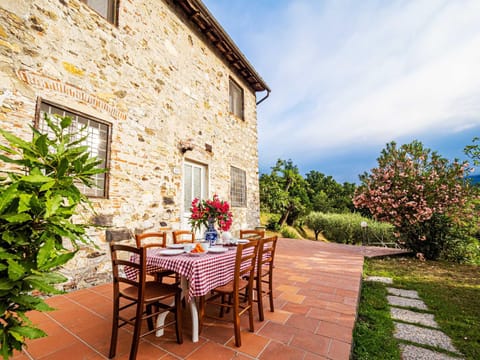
{"points": [[349, 76]]}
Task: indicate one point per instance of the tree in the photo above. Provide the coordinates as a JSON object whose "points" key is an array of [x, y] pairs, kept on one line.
{"points": [[317, 222], [38, 199], [326, 195], [284, 192], [422, 194], [473, 151]]}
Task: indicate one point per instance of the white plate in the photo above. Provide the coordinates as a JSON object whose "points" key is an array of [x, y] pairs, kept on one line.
{"points": [[217, 249], [243, 241], [175, 246], [171, 252]]}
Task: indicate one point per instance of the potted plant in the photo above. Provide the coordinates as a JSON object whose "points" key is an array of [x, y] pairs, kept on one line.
{"points": [[38, 199]]}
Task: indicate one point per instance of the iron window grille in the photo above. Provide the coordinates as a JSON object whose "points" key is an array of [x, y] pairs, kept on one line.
{"points": [[98, 140], [238, 187]]}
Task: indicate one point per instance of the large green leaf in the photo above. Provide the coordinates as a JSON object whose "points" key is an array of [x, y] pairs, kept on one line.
{"points": [[45, 252], [7, 197], [16, 218], [62, 167], [36, 178], [57, 261], [47, 277], [52, 205], [41, 144], [6, 284], [32, 302], [24, 203], [47, 185], [40, 284], [15, 270], [65, 122], [15, 140], [27, 332]]}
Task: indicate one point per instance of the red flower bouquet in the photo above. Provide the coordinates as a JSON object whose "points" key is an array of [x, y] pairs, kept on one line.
{"points": [[215, 210]]}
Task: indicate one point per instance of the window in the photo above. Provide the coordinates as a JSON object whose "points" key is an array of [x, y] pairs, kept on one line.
{"points": [[106, 8], [236, 99], [98, 140], [238, 187]]}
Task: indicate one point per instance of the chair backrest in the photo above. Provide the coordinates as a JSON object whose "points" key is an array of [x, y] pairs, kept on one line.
{"points": [[183, 236], [266, 253], [122, 263], [245, 262], [151, 239], [252, 234]]}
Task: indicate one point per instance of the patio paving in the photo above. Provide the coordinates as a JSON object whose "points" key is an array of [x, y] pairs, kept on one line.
{"points": [[316, 287]]}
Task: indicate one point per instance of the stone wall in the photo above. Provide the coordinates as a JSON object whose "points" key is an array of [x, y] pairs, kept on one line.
{"points": [[156, 81]]}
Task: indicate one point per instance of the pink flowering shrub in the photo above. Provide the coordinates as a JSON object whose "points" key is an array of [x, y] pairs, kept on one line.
{"points": [[216, 210], [423, 195]]}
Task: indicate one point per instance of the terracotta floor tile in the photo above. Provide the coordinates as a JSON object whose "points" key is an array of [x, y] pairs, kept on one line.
{"points": [[316, 290], [278, 332], [316, 344], [335, 331], [287, 289], [298, 299], [252, 344], [302, 279], [278, 316], [303, 322], [323, 314], [295, 308], [280, 351], [211, 350], [339, 350]]}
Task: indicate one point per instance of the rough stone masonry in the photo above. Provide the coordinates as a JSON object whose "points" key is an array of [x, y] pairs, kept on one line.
{"points": [[156, 81]]}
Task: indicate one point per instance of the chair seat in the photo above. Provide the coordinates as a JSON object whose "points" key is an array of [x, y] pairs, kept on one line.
{"points": [[153, 291], [228, 287]]}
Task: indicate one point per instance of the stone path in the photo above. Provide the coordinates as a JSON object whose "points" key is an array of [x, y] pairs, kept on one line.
{"points": [[415, 326]]}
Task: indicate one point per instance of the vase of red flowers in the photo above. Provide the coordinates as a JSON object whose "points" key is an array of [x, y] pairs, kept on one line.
{"points": [[208, 213], [211, 234]]}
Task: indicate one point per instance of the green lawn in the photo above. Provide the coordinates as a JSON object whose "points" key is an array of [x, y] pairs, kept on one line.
{"points": [[451, 292]]}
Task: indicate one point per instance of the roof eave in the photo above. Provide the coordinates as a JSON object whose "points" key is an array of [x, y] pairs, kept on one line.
{"points": [[201, 17]]}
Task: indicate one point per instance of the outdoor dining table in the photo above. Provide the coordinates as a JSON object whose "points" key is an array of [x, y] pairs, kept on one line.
{"points": [[199, 273]]}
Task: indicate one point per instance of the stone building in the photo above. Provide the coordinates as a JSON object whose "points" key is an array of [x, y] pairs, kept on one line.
{"points": [[168, 98]]}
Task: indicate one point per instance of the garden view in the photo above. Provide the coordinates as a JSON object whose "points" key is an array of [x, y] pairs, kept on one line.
{"points": [[414, 199]]}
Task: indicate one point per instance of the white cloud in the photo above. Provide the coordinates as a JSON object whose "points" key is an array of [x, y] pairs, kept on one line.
{"points": [[367, 72]]}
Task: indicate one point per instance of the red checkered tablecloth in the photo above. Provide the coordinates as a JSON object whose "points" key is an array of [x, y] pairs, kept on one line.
{"points": [[204, 272]]}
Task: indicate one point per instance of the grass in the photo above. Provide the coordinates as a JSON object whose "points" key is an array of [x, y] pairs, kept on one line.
{"points": [[374, 328], [451, 292]]}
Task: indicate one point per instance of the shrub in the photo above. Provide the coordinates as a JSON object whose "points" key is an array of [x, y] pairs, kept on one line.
{"points": [[422, 194], [288, 232], [347, 229], [38, 198], [272, 223]]}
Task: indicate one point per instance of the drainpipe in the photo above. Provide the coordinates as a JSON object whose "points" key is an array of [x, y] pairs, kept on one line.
{"points": [[264, 98]]}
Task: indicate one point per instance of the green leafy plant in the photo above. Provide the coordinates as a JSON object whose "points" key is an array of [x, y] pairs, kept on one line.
{"points": [[38, 199]]}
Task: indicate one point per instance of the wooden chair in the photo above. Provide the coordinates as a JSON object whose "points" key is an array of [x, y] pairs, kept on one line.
{"points": [[151, 239], [183, 236], [264, 272], [147, 298], [244, 267], [155, 239], [252, 234]]}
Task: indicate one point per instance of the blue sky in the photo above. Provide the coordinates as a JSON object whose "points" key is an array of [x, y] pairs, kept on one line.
{"points": [[349, 76]]}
